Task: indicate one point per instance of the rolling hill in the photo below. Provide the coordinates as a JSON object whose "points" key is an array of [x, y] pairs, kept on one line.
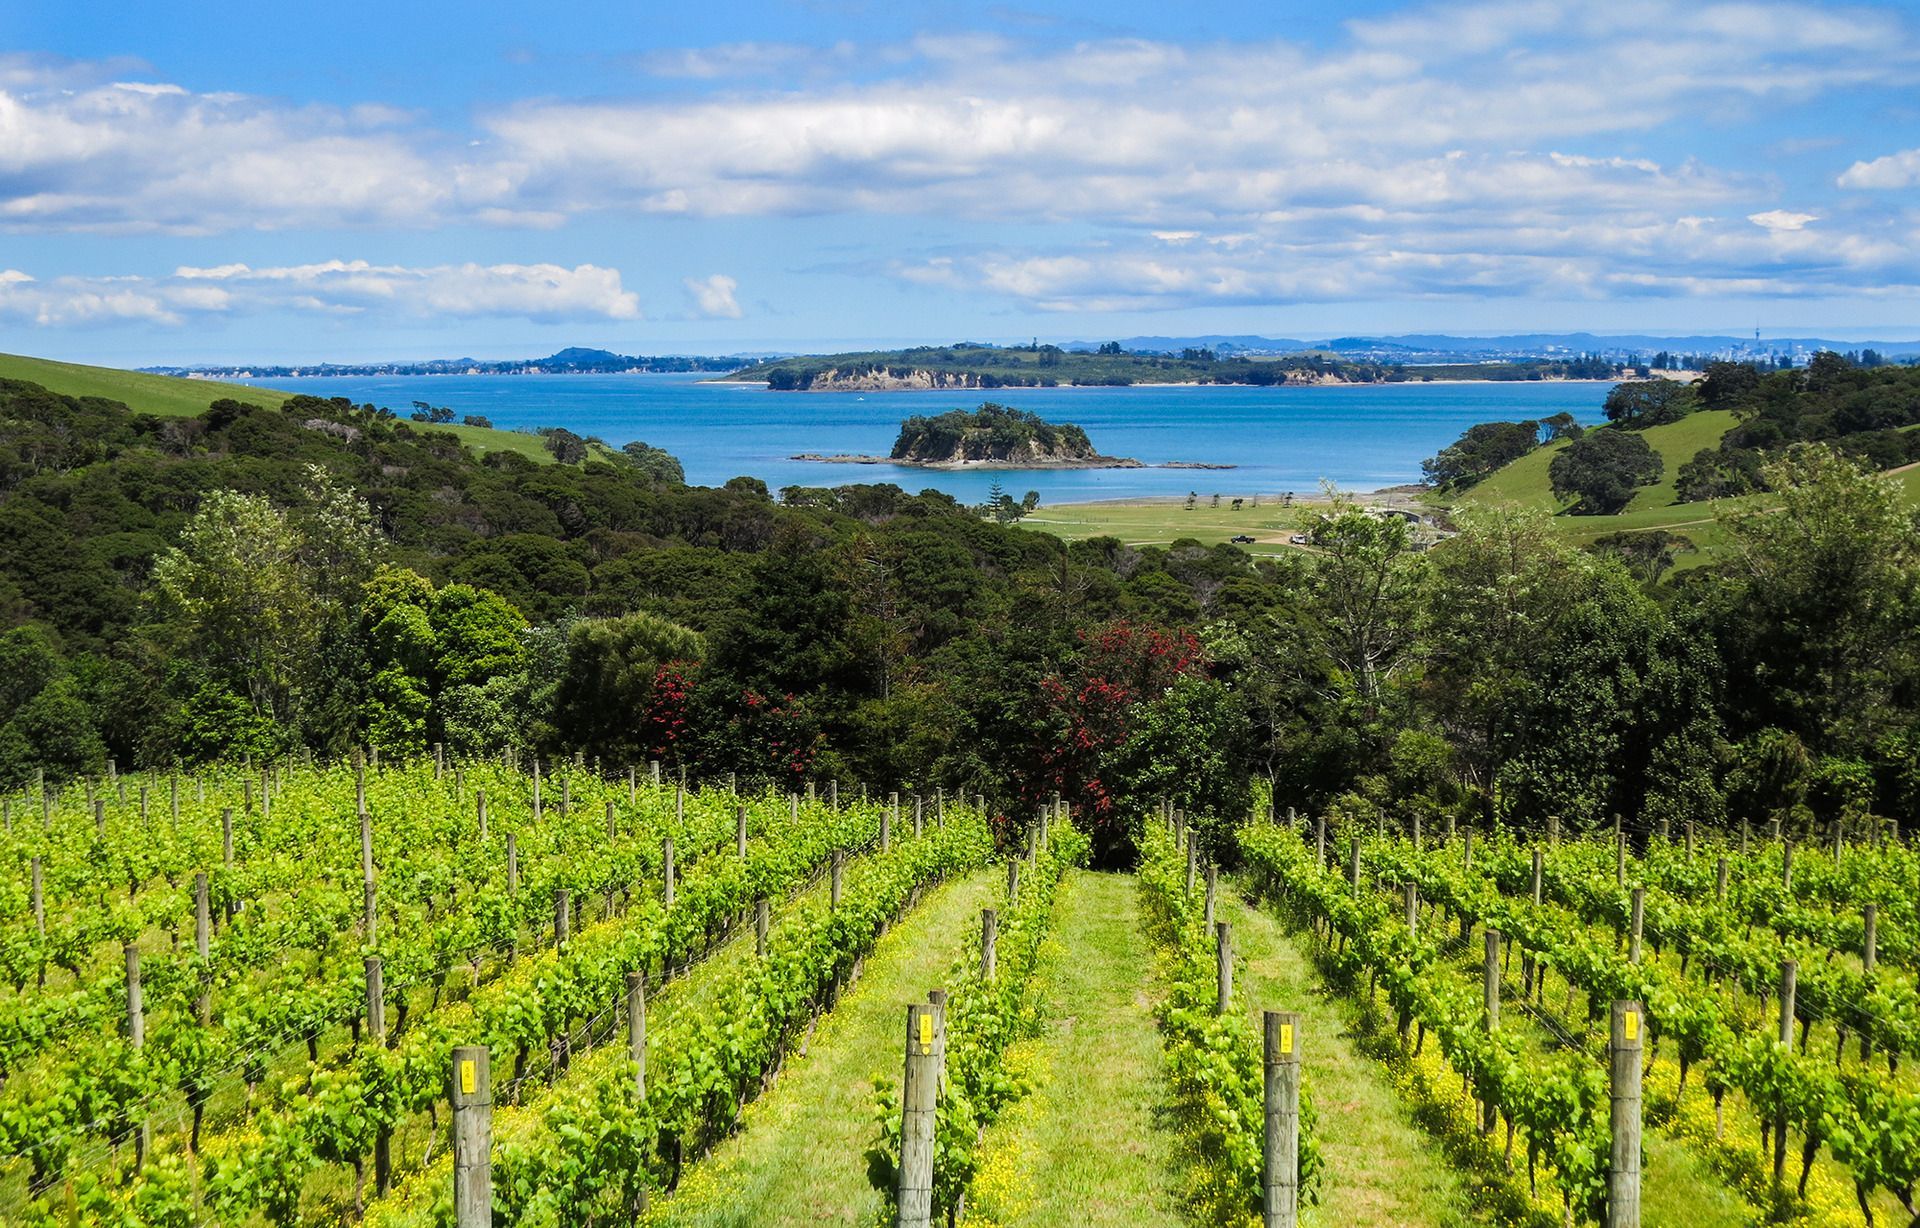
{"points": [[172, 397]]}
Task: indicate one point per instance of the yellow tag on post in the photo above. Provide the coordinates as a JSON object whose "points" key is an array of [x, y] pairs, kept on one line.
{"points": [[926, 1030], [1633, 1025], [1286, 1038], [466, 1076]]}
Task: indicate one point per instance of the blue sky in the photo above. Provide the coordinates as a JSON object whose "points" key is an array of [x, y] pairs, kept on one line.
{"points": [[224, 182]]}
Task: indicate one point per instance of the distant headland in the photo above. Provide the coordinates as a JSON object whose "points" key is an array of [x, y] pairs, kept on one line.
{"points": [[994, 437]]}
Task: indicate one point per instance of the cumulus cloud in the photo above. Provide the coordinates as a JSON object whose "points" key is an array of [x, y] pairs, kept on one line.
{"points": [[544, 292], [1489, 145], [713, 296], [1898, 170]]}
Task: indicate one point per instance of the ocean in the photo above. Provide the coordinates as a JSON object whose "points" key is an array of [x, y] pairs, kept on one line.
{"points": [[1359, 437]]}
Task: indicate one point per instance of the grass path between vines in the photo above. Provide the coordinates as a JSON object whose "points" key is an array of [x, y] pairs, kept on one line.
{"points": [[1380, 1167], [1083, 1148], [799, 1156]]}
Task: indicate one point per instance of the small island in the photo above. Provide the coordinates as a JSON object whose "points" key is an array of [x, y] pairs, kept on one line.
{"points": [[993, 437]]}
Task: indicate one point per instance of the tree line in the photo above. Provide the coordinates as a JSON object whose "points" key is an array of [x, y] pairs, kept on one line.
{"points": [[270, 581]]}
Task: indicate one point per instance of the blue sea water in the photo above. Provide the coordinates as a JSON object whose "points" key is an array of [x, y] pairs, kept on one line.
{"points": [[1359, 437]]}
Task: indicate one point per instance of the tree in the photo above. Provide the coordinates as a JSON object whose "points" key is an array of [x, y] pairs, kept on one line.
{"points": [[1727, 385], [237, 598], [1601, 470], [567, 447], [657, 463], [1816, 619], [1364, 587], [1496, 596], [1485, 447], [1637, 404]]}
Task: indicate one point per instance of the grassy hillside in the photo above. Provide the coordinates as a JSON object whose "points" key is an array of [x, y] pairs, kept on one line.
{"points": [[1525, 482], [170, 397]]}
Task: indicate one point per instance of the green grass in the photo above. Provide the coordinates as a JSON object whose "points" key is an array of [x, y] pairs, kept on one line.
{"points": [[172, 397], [1083, 1148], [1381, 1168], [798, 1158], [1161, 522]]}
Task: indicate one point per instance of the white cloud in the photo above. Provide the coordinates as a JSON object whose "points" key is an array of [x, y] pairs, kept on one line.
{"points": [[713, 296], [1898, 170], [544, 292], [1490, 146]]}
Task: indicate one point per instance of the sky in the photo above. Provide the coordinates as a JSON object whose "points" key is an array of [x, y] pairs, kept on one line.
{"points": [[235, 182]]}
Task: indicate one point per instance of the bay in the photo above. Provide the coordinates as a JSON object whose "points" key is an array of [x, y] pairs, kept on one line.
{"points": [[1359, 437]]}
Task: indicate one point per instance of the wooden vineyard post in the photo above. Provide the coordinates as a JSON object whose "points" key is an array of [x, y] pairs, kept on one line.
{"points": [[1786, 869], [1193, 861], [740, 830], [1637, 924], [1869, 956], [653, 772], [1789, 984], [1353, 864], [926, 1052], [1553, 831], [637, 1030], [1223, 977], [989, 943], [760, 927], [472, 1098], [377, 1036], [610, 820], [919, 816], [666, 869], [1720, 881], [1280, 1167], [1013, 881], [1491, 993], [839, 864], [1619, 857], [39, 898], [886, 828], [562, 918], [1413, 910], [1623, 1170], [202, 945], [137, 1039], [1213, 886], [513, 864]]}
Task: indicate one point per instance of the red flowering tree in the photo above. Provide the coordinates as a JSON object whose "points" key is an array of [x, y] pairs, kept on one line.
{"points": [[1089, 711], [664, 718]]}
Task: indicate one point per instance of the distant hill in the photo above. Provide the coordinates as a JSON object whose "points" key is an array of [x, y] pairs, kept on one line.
{"points": [[967, 365], [573, 360], [1445, 348], [168, 396]]}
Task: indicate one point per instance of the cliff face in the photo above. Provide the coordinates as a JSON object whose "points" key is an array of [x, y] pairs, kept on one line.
{"points": [[895, 380]]}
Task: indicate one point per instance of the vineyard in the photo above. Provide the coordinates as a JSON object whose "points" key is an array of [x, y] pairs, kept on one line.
{"points": [[439, 993]]}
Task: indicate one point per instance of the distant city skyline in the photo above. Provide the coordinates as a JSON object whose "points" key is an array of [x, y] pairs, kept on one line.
{"points": [[207, 182]]}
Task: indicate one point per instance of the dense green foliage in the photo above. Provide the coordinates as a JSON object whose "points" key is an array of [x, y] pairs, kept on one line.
{"points": [[259, 581], [1864, 412], [1215, 1061], [992, 432]]}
